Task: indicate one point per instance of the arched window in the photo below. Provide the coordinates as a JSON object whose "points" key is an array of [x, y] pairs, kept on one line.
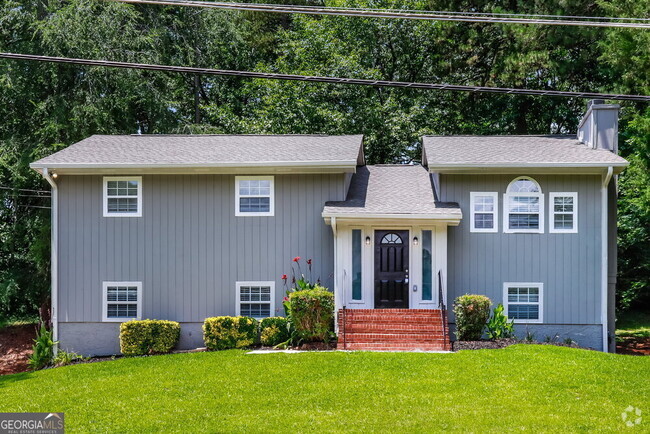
{"points": [[523, 206], [391, 238]]}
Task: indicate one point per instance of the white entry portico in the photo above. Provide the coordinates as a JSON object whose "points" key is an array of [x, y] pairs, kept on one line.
{"points": [[390, 240]]}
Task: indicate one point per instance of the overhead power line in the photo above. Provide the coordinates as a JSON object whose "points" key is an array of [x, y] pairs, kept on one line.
{"points": [[2, 187], [470, 17], [322, 79]]}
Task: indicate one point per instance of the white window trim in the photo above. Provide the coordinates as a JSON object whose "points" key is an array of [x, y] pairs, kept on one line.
{"points": [[495, 212], [105, 302], [551, 213], [538, 285], [138, 197], [238, 302], [271, 211], [362, 300], [506, 211]]}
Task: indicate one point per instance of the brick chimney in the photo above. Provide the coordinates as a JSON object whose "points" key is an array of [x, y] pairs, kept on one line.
{"points": [[598, 128]]}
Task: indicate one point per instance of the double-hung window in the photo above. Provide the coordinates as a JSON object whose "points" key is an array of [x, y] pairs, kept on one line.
{"points": [[523, 301], [255, 299], [122, 196], [523, 207], [563, 212], [122, 301], [254, 196], [483, 212]]}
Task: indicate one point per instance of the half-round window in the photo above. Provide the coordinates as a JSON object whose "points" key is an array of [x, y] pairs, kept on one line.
{"points": [[524, 185], [524, 206], [391, 238]]}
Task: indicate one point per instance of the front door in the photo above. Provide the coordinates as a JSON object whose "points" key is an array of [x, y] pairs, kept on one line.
{"points": [[391, 269]]}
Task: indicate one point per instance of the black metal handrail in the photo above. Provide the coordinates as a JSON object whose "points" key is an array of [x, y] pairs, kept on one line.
{"points": [[443, 309]]}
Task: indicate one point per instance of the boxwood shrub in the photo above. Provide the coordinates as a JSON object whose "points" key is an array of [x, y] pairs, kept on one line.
{"points": [[225, 332], [149, 336], [274, 331], [312, 314], [472, 313]]}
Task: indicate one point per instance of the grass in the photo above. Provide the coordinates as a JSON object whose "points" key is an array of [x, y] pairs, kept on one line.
{"points": [[634, 324], [521, 387]]}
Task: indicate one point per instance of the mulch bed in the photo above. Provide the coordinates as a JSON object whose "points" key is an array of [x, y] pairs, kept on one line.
{"points": [[15, 348], [502, 343], [633, 346]]}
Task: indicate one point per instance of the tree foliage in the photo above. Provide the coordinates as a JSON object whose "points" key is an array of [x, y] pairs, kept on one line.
{"points": [[45, 107]]}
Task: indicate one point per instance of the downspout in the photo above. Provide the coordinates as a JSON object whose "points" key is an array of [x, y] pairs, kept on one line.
{"points": [[54, 267], [604, 258]]}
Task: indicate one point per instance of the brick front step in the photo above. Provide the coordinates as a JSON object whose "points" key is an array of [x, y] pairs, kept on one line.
{"points": [[392, 330], [373, 346]]}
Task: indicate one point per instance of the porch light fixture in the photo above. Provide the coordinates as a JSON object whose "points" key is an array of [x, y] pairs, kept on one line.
{"points": [[54, 175], [416, 241], [367, 241]]}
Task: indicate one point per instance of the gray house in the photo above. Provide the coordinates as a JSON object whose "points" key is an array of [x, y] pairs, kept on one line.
{"points": [[187, 227]]}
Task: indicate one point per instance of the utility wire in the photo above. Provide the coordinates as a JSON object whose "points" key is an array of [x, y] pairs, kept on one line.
{"points": [[321, 79], [470, 17], [2, 187]]}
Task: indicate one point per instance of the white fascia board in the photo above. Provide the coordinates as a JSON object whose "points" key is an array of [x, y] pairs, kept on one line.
{"points": [[341, 163], [450, 219]]}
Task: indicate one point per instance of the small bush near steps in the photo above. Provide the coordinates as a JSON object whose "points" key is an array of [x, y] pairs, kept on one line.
{"points": [[311, 313], [472, 313], [274, 331], [142, 337], [226, 332]]}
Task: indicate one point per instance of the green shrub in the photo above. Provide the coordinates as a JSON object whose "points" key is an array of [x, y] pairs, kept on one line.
{"points": [[274, 331], [43, 349], [64, 358], [472, 312], [149, 336], [499, 326], [225, 332], [312, 314]]}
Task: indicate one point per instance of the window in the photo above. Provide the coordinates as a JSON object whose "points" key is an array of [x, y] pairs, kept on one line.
{"points": [[356, 264], [523, 207], [255, 299], [563, 212], [122, 196], [391, 239], [122, 301], [427, 264], [254, 196], [523, 302], [483, 212]]}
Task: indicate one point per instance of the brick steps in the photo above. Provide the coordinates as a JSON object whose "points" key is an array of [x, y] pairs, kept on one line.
{"points": [[392, 330]]}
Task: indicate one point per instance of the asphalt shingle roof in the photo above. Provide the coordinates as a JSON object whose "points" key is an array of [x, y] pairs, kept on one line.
{"points": [[508, 151], [391, 189], [198, 150]]}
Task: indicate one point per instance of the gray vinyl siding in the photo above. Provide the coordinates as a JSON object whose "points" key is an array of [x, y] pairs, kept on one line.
{"points": [[567, 264], [188, 249]]}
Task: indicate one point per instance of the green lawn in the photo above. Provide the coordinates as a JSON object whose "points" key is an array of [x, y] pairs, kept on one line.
{"points": [[634, 324], [521, 387]]}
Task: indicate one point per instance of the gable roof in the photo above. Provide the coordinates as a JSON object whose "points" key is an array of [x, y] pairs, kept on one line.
{"points": [[395, 191], [186, 152], [447, 154]]}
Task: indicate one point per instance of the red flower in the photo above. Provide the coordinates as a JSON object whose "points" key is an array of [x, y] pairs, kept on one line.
{"points": [[285, 299], [308, 261], [296, 259], [284, 277]]}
